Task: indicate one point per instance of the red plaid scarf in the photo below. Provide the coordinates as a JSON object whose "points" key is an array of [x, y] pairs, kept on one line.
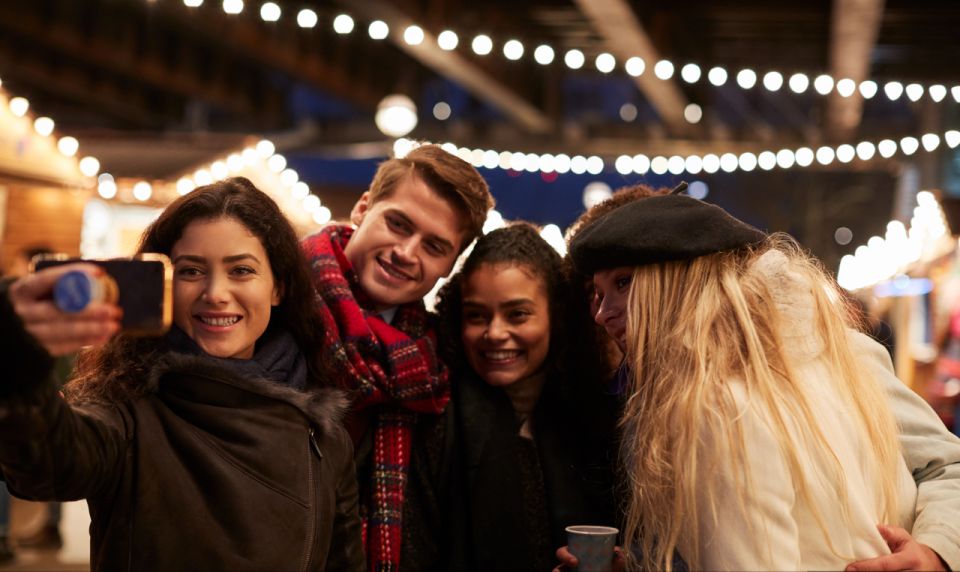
{"points": [[393, 366]]}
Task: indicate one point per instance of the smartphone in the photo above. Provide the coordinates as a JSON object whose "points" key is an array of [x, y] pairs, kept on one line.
{"points": [[144, 284]]}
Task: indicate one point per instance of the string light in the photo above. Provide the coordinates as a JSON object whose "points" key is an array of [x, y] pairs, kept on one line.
{"points": [[640, 164], [634, 66]]}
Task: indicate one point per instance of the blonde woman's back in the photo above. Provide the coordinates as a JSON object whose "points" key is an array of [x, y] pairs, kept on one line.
{"points": [[834, 522]]}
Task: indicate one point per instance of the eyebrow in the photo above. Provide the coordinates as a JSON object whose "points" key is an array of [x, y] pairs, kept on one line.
{"points": [[508, 304], [226, 259], [443, 242]]}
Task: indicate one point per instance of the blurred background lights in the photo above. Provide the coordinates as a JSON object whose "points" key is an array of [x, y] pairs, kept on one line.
{"points": [[192, 3], [19, 106], [893, 89], [773, 81], [693, 113], [635, 66], [185, 185], [823, 84], [554, 237], [447, 40], [307, 18], [277, 163], [663, 69], [43, 126], [513, 50], [322, 215], [628, 112], [482, 45], [107, 188], [798, 83], [606, 63], [378, 30], [698, 190], [413, 35], [690, 73], [868, 89], [843, 236], [574, 59], [396, 115], [441, 110], [343, 24], [265, 148], [233, 6], [746, 78], [68, 146], [846, 87], [89, 166], [717, 76], [142, 191], [543, 55], [270, 12]]}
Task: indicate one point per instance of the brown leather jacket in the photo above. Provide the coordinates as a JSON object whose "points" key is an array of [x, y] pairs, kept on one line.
{"points": [[208, 471]]}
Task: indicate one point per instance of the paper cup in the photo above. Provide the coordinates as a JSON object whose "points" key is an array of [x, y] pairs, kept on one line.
{"points": [[593, 547]]}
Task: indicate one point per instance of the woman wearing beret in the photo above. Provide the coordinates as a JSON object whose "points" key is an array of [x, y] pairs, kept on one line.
{"points": [[754, 437]]}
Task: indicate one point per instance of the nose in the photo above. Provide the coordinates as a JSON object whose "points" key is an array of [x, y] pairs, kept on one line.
{"points": [[496, 332], [404, 250], [605, 313], [216, 290]]}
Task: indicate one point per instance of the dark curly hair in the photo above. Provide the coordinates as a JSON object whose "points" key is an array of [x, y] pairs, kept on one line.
{"points": [[573, 356], [117, 370]]}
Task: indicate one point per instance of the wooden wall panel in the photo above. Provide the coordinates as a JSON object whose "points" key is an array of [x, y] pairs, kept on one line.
{"points": [[41, 216]]}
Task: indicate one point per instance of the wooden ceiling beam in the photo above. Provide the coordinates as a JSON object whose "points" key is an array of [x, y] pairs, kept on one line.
{"points": [[626, 38], [124, 60], [480, 83], [854, 27]]}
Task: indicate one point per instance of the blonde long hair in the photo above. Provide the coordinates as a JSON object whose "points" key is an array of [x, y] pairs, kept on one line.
{"points": [[692, 328]]}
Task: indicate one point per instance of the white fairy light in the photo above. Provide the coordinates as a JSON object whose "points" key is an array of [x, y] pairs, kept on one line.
{"points": [[693, 164], [825, 155], [68, 146], [804, 156], [605, 63], [413, 35], [717, 76], [868, 89], [773, 81], [640, 164], [909, 145], [767, 160], [823, 84], [379, 30], [930, 141], [846, 153], [481, 44], [233, 7], [543, 55], [747, 162], [690, 73], [798, 83], [866, 150], [659, 165], [893, 89], [746, 78], [846, 87], [624, 164], [448, 40], [663, 69], [887, 148], [574, 59], [914, 91], [711, 163], [785, 158], [937, 92], [270, 12], [635, 66], [513, 50], [676, 164], [728, 162], [306, 18]]}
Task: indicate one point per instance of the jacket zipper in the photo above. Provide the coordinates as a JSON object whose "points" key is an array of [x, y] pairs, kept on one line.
{"points": [[312, 448]]}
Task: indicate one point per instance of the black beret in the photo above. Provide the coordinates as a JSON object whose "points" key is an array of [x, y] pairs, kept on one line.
{"points": [[660, 228]]}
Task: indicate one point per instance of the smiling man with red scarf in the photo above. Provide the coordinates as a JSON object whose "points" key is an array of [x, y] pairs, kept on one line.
{"points": [[421, 211]]}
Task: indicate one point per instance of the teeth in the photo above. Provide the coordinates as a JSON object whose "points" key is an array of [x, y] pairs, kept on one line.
{"points": [[502, 355], [221, 322]]}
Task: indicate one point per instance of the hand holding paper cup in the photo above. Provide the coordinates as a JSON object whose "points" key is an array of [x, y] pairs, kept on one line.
{"points": [[593, 547]]}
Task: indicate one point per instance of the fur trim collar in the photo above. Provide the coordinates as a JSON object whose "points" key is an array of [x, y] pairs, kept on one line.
{"points": [[325, 407]]}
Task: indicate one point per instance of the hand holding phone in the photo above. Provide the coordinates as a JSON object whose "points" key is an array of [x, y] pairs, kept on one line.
{"points": [[58, 332], [141, 286]]}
